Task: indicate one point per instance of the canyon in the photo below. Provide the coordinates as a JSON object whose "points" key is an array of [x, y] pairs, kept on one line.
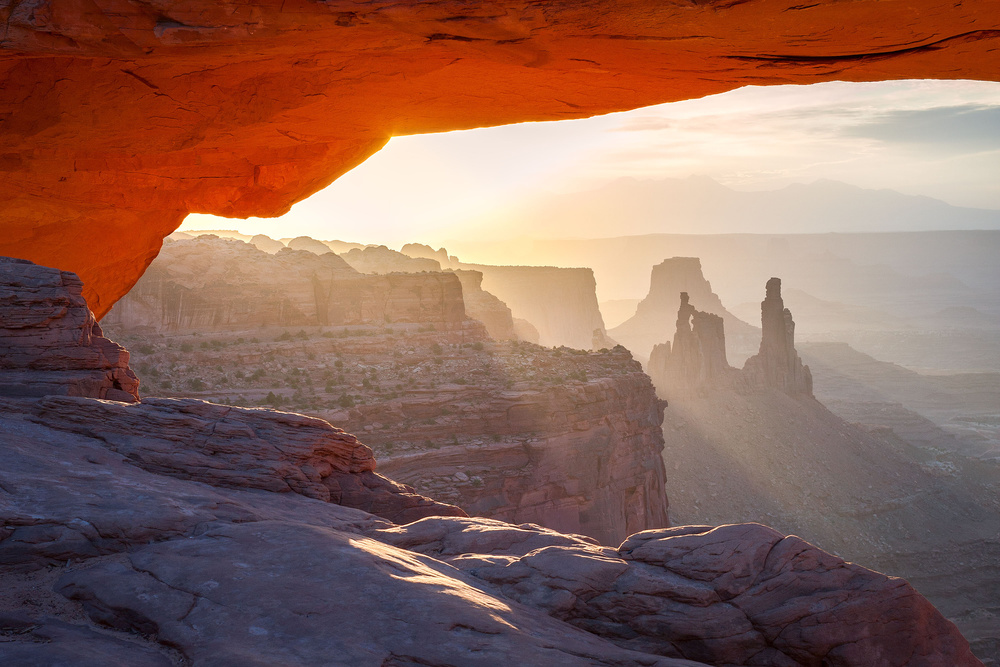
{"points": [[177, 531], [753, 444], [571, 440], [505, 429], [139, 530]]}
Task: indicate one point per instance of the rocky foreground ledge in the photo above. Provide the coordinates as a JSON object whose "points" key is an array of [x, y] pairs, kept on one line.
{"points": [[116, 550], [180, 532]]}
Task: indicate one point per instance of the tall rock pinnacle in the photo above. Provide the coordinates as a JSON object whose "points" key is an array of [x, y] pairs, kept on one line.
{"points": [[777, 364]]}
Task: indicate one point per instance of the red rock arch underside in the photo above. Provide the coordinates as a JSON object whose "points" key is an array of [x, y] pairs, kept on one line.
{"points": [[119, 117]]}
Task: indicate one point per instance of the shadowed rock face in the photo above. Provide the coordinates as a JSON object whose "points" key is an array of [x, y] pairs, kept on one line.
{"points": [[655, 313], [50, 342], [696, 364], [483, 306], [561, 303], [777, 365], [118, 121]]}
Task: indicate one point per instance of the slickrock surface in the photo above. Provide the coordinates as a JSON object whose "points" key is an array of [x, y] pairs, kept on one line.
{"points": [[50, 342], [120, 120], [209, 283], [655, 314], [733, 595], [158, 570], [242, 448]]}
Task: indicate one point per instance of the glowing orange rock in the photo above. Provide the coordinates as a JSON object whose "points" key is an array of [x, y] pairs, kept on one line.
{"points": [[118, 118]]}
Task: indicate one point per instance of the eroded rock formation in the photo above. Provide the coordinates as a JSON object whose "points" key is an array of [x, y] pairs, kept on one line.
{"points": [[120, 120], [655, 313], [696, 363], [50, 342], [578, 455], [380, 259], [241, 448], [213, 533], [560, 303], [697, 359], [212, 575], [209, 283], [483, 306], [777, 364]]}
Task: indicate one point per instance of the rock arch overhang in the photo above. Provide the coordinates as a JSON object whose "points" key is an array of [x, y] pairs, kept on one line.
{"points": [[119, 117]]}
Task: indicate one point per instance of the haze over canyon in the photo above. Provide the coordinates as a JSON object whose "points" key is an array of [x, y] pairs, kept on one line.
{"points": [[704, 374]]}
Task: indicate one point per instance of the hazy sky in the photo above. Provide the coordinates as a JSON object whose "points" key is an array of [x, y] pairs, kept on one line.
{"points": [[940, 139]]}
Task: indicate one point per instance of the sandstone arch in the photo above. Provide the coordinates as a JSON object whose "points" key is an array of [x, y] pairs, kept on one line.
{"points": [[118, 117]]}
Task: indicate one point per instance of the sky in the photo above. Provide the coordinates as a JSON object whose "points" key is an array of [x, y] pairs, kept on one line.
{"points": [[935, 138]]}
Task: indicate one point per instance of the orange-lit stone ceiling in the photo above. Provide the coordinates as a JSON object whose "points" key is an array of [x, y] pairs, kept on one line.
{"points": [[118, 117]]}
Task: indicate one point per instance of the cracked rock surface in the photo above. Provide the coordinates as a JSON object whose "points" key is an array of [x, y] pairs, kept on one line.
{"points": [[149, 558]]}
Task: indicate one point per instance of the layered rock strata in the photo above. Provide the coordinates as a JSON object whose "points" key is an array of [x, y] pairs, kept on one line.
{"points": [[157, 570], [578, 456], [50, 342], [208, 283], [241, 448], [655, 312]]}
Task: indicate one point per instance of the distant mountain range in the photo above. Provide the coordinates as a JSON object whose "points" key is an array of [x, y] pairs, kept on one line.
{"points": [[701, 205]]}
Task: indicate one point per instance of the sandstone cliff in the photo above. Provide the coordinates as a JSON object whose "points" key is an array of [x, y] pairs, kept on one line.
{"points": [[223, 535], [380, 259], [754, 445], [209, 283], [483, 306], [655, 313], [50, 342], [579, 455], [560, 303]]}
